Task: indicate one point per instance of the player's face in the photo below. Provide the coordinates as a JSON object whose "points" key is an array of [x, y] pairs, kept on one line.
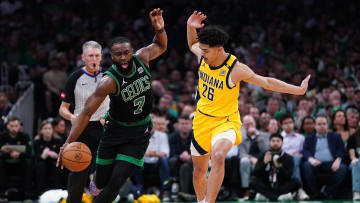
{"points": [[92, 58], [210, 54], [121, 54]]}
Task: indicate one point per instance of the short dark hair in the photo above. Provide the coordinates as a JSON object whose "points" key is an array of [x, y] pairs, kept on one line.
{"points": [[286, 116], [119, 40], [185, 117], [13, 118], [322, 116], [213, 35], [276, 135]]}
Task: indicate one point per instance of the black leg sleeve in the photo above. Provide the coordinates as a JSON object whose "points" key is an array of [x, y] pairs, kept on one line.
{"points": [[121, 172]]}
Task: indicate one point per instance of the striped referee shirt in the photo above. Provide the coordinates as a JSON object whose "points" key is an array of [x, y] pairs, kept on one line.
{"points": [[78, 89]]}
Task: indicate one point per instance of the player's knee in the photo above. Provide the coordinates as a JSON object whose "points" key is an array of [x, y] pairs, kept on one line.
{"points": [[199, 172], [218, 157]]}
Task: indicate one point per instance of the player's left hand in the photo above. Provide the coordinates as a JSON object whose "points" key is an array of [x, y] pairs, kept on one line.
{"points": [[157, 19], [304, 85]]}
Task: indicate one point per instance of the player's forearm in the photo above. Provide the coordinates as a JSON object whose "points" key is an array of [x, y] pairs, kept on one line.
{"points": [[161, 39], [280, 86], [191, 36]]}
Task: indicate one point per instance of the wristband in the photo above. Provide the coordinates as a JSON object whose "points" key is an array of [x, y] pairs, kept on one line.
{"points": [[160, 31]]}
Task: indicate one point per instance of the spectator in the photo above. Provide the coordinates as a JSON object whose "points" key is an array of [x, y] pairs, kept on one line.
{"points": [[15, 156], [307, 126], [272, 176], [292, 145], [264, 121], [55, 80], [254, 112], [5, 107], [353, 149], [180, 158], [60, 129], [273, 126], [46, 148], [164, 109], [340, 125], [323, 152], [273, 106], [253, 144], [156, 161], [350, 99], [352, 116]]}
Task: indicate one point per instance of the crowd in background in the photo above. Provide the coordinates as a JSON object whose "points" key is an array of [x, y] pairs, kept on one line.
{"points": [[283, 39]]}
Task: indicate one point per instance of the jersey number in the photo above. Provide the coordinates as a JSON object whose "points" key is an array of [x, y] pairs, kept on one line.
{"points": [[209, 91], [139, 102]]}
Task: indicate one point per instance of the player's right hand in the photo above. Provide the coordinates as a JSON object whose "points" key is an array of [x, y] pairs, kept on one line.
{"points": [[195, 20], [60, 154]]}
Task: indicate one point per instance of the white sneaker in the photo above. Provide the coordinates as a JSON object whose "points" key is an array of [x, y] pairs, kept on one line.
{"points": [[302, 195], [260, 197], [356, 196], [285, 197]]}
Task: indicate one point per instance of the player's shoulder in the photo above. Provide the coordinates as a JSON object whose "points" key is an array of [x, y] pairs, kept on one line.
{"points": [[74, 76]]}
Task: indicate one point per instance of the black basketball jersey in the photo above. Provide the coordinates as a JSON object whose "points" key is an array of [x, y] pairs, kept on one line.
{"points": [[132, 101]]}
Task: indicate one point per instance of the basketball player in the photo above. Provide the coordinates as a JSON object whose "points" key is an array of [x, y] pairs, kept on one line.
{"points": [[80, 85], [128, 123], [217, 123]]}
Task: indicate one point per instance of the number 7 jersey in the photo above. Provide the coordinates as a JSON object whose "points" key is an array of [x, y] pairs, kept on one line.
{"points": [[215, 97], [132, 101]]}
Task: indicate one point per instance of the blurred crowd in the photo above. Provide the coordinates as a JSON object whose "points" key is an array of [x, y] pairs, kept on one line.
{"points": [[40, 41]]}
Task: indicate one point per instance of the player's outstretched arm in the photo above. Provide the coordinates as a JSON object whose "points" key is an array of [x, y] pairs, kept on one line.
{"points": [[242, 72], [159, 43], [194, 22]]}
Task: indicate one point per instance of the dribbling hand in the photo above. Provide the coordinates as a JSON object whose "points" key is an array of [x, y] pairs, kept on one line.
{"points": [[59, 157], [157, 19], [195, 20]]}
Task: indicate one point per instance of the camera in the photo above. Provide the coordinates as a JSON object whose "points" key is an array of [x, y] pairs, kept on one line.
{"points": [[278, 157]]}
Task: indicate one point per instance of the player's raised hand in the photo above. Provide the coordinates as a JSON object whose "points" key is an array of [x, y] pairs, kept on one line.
{"points": [[304, 85], [195, 20], [157, 19]]}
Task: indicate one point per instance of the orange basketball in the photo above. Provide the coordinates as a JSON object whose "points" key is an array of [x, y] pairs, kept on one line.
{"points": [[76, 156]]}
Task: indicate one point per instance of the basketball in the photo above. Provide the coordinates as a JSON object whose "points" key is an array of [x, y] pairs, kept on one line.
{"points": [[76, 156]]}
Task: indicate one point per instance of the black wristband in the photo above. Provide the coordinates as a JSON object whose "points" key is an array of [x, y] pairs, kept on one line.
{"points": [[160, 31]]}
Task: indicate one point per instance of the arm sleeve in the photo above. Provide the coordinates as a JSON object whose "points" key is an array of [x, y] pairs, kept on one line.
{"points": [[306, 148], [67, 95]]}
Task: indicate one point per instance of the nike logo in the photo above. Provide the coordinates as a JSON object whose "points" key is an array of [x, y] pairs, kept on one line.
{"points": [[124, 82], [83, 83]]}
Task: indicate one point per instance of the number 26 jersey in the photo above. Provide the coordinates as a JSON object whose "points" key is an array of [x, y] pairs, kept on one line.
{"points": [[215, 96]]}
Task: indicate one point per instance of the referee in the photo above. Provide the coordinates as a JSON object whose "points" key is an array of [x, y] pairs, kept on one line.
{"points": [[81, 84]]}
